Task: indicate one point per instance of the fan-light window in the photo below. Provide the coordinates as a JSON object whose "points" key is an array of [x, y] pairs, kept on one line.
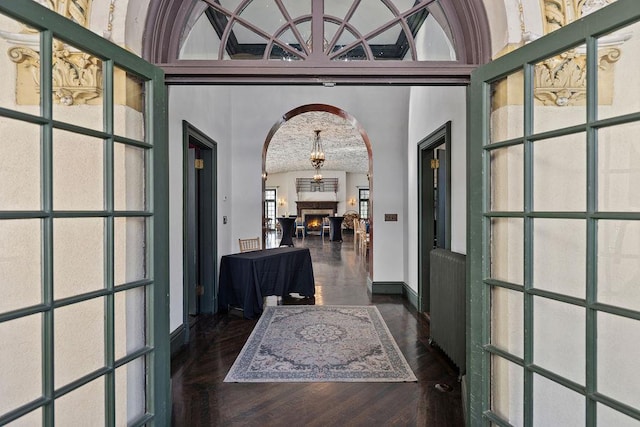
{"points": [[325, 30]]}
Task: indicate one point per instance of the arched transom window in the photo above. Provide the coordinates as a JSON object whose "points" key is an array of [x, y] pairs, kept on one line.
{"points": [[319, 31]]}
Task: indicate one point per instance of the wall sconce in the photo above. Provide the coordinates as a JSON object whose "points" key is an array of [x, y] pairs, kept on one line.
{"points": [[352, 201], [281, 202]]}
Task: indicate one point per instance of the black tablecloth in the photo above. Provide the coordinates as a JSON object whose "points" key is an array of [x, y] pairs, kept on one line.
{"points": [[288, 226], [335, 228], [246, 278]]}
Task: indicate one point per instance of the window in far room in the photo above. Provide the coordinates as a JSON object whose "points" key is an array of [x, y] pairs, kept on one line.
{"points": [[363, 203], [270, 207]]}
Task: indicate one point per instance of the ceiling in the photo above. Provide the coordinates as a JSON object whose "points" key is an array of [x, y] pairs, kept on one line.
{"points": [[343, 145]]}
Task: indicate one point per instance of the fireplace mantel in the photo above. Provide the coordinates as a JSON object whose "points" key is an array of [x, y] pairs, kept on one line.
{"points": [[316, 205]]}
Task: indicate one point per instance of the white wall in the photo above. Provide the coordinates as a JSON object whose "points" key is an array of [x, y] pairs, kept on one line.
{"points": [[239, 118], [208, 111], [430, 108]]}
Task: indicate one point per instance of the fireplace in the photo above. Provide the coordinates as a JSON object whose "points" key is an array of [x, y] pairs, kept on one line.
{"points": [[330, 208], [313, 222], [313, 212]]}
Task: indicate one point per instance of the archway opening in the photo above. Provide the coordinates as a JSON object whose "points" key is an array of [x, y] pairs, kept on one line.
{"points": [[340, 187]]}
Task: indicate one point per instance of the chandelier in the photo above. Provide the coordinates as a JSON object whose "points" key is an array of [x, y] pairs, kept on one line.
{"points": [[317, 154]]}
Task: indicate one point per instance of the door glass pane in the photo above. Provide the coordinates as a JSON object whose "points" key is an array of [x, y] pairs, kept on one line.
{"points": [[618, 350], [507, 250], [83, 406], [560, 90], [556, 405], [559, 255], [560, 173], [20, 176], [78, 171], [619, 263], [130, 392], [129, 173], [507, 178], [78, 341], [20, 263], [507, 390], [129, 91], [507, 113], [130, 325], [610, 417], [619, 168], [559, 338], [78, 262], [618, 80], [507, 316], [19, 66], [129, 249], [20, 362], [77, 86]]}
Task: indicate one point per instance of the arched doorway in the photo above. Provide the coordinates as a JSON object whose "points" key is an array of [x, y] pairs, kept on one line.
{"points": [[348, 148]]}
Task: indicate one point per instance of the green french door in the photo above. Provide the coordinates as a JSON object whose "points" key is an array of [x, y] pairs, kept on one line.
{"points": [[554, 238], [83, 227]]}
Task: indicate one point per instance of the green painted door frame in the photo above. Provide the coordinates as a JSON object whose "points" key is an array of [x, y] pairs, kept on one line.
{"points": [[480, 349], [155, 351]]}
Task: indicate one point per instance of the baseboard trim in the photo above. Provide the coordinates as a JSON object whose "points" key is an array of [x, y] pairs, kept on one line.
{"points": [[411, 295], [177, 339], [387, 288], [394, 288]]}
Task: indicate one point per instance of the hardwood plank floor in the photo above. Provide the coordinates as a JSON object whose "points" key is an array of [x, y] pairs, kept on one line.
{"points": [[200, 398]]}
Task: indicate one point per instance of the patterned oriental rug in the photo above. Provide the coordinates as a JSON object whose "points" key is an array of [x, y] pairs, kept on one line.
{"points": [[320, 344]]}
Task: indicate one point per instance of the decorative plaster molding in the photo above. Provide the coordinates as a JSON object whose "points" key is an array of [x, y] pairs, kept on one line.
{"points": [[562, 80], [76, 76]]}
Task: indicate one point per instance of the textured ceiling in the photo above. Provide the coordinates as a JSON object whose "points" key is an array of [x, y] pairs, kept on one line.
{"points": [[343, 145]]}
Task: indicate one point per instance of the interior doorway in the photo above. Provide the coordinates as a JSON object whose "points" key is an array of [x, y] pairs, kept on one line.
{"points": [[434, 204], [200, 244]]}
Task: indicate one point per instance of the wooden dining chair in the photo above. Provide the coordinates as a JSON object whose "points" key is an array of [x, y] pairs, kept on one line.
{"points": [[326, 226], [248, 245], [299, 227]]}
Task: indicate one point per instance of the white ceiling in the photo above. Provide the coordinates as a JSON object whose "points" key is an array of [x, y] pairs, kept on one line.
{"points": [[343, 145]]}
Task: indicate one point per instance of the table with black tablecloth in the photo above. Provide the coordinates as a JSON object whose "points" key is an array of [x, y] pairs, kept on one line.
{"points": [[335, 228], [287, 226], [246, 278]]}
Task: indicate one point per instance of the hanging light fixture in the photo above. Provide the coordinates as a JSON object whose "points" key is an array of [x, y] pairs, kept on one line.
{"points": [[317, 177], [317, 154]]}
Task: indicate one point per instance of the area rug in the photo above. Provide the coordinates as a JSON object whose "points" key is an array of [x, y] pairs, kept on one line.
{"points": [[320, 344]]}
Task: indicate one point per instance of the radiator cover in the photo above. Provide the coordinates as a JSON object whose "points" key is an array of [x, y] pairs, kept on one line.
{"points": [[448, 304]]}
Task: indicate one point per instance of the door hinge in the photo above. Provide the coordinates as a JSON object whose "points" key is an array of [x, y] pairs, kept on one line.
{"points": [[199, 290], [199, 164], [435, 163]]}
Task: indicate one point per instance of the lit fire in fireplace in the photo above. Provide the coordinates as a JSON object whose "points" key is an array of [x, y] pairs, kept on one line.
{"points": [[314, 223]]}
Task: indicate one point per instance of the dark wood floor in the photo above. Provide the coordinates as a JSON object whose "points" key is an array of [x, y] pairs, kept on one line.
{"points": [[200, 398]]}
